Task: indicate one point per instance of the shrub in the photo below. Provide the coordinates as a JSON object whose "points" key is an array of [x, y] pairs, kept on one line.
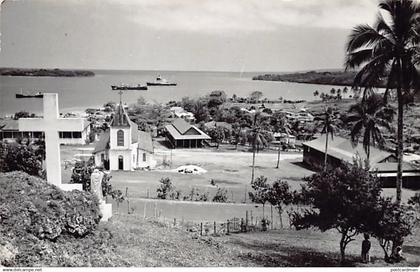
{"points": [[31, 205], [165, 189], [19, 157], [390, 223], [221, 195]]}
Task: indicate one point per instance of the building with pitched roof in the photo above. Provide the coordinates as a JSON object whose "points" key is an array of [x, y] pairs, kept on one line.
{"points": [[341, 150], [9, 131], [180, 134], [123, 146]]}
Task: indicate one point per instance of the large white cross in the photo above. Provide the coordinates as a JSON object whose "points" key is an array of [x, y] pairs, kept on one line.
{"points": [[51, 124]]}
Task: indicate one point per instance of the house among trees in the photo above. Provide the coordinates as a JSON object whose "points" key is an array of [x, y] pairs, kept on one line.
{"points": [[180, 134], [9, 131], [179, 112], [123, 146], [341, 150]]}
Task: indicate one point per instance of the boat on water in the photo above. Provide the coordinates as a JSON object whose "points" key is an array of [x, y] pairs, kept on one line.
{"points": [[129, 87], [29, 95], [160, 82]]}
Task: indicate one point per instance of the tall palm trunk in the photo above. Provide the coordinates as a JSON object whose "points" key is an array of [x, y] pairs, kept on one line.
{"points": [[400, 144], [278, 157], [326, 154], [253, 164]]}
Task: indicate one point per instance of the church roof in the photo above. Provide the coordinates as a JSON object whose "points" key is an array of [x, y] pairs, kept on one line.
{"points": [[145, 141], [134, 131], [120, 118], [103, 143]]}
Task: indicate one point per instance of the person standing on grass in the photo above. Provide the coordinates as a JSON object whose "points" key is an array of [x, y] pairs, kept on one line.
{"points": [[365, 249]]}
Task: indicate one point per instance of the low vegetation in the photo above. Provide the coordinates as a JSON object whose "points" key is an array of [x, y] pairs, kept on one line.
{"points": [[34, 215]]}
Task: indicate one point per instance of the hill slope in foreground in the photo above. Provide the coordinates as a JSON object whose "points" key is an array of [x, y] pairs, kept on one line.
{"points": [[130, 240], [338, 78]]}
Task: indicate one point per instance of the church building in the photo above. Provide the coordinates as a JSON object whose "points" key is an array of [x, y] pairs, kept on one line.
{"points": [[123, 146]]}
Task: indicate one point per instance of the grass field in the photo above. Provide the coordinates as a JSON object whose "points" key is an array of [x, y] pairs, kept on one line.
{"points": [[142, 242]]}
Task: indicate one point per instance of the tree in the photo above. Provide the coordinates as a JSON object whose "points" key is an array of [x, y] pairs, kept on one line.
{"points": [[329, 127], [389, 50], [390, 223], [261, 191], [282, 125], [217, 134], [332, 91], [316, 93], [22, 114], [279, 195], [165, 188], [368, 118], [258, 141], [341, 198], [17, 157], [255, 96]]}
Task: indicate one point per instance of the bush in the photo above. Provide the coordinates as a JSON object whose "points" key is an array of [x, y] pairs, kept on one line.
{"points": [[166, 190], [220, 196], [35, 216], [31, 205], [18, 157]]}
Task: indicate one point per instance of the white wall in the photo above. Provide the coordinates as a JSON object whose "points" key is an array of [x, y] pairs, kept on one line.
{"points": [[113, 138]]}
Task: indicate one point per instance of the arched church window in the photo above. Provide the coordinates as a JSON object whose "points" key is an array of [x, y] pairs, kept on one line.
{"points": [[120, 138]]}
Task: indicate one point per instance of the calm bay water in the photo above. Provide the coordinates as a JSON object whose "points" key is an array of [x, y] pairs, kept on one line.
{"points": [[83, 92]]}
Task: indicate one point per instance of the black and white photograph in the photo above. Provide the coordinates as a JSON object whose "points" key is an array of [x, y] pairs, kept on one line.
{"points": [[210, 134]]}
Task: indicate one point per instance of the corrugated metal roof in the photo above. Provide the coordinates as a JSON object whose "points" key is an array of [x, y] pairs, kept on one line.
{"points": [[181, 125], [177, 136], [343, 149], [145, 141], [103, 143], [9, 124]]}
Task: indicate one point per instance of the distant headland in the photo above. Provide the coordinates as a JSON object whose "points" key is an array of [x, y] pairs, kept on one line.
{"points": [[339, 78], [45, 72]]}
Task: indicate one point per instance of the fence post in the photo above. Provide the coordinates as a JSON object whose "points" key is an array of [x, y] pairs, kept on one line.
{"points": [[174, 222], [144, 211], [246, 220], [227, 226], [242, 225], [128, 201], [214, 226], [272, 222], [201, 229], [252, 218]]}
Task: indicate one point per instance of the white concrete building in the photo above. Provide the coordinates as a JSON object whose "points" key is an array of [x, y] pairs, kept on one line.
{"points": [[123, 146], [79, 134]]}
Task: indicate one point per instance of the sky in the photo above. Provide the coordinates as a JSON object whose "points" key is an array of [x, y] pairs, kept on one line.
{"points": [[189, 35]]}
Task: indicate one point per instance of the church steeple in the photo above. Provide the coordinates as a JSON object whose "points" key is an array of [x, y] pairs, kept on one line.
{"points": [[120, 117]]}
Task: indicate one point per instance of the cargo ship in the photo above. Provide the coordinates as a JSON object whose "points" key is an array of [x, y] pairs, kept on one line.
{"points": [[160, 82], [35, 95], [129, 87]]}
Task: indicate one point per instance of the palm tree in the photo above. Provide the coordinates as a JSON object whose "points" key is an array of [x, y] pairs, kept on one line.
{"points": [[389, 49], [282, 125], [329, 127], [258, 140], [368, 119]]}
